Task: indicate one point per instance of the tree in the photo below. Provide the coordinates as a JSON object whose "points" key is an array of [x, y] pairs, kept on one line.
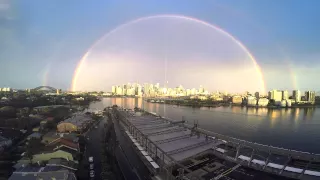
{"points": [[34, 146]]}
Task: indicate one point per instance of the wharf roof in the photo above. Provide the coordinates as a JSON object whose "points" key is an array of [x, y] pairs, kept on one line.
{"points": [[177, 141]]}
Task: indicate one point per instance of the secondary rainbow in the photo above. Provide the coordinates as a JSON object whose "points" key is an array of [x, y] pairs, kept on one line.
{"points": [[83, 59]]}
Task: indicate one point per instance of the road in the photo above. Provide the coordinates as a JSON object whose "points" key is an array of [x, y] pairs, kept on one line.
{"points": [[94, 145], [135, 164]]}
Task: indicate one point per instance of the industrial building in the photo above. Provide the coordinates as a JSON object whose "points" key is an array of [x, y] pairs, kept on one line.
{"points": [[173, 149]]}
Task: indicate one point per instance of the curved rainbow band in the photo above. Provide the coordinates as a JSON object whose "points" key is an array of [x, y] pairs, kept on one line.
{"points": [[80, 64]]}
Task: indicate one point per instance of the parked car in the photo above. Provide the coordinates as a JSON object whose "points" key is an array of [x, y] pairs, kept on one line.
{"points": [[91, 173], [91, 166]]}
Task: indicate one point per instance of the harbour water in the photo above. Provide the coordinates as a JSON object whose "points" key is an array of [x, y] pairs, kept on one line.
{"points": [[296, 128]]}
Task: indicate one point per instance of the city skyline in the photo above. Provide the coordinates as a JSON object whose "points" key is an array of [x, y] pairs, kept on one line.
{"points": [[50, 53]]}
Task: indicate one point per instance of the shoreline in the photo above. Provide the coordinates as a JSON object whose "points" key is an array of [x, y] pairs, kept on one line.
{"points": [[225, 104]]}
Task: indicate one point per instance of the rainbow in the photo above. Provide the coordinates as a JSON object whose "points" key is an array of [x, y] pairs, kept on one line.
{"points": [[83, 59], [46, 74]]}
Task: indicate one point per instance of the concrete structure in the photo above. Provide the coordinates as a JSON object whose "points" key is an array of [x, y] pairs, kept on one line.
{"points": [[77, 123], [178, 148]]}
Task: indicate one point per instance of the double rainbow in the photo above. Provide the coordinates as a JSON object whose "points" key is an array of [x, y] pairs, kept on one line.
{"points": [[83, 59]]}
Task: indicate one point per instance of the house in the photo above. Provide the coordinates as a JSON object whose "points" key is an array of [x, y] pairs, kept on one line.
{"points": [[77, 123], [46, 156], [43, 173], [53, 136], [60, 162], [64, 144]]}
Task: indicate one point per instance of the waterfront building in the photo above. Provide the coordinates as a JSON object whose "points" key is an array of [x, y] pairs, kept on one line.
{"points": [[289, 102], [188, 92], [285, 95], [283, 103], [201, 89], [310, 96], [236, 99], [275, 95], [114, 90], [263, 102], [296, 95], [251, 101], [119, 90], [193, 91]]}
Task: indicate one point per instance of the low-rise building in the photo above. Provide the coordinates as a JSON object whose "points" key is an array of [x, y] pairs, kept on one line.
{"points": [[54, 136], [47, 172], [77, 123], [236, 99], [46, 156]]}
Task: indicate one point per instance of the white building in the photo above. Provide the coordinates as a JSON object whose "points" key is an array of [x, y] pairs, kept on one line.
{"points": [[263, 102], [285, 95], [251, 101], [296, 95], [114, 90], [119, 90], [275, 95]]}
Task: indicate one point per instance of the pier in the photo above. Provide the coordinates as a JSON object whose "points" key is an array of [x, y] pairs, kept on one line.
{"points": [[172, 149]]}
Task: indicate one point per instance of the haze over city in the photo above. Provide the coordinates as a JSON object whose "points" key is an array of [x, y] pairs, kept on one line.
{"points": [[210, 45]]}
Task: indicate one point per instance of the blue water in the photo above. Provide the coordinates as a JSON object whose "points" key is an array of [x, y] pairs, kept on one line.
{"points": [[297, 129]]}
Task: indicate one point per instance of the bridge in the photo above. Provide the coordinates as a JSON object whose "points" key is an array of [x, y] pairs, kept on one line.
{"points": [[176, 147], [39, 88]]}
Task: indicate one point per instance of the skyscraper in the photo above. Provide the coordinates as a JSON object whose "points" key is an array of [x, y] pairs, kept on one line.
{"points": [[275, 95], [310, 96], [285, 95], [296, 95]]}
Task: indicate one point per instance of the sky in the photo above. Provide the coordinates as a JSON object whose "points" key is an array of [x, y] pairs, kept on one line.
{"points": [[42, 43]]}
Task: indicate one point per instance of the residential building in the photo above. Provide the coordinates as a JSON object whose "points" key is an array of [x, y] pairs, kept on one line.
{"points": [[275, 95], [310, 96], [45, 173], [285, 95], [54, 136], [46, 156], [77, 123]]}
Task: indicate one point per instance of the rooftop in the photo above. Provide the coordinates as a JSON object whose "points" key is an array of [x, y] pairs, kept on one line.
{"points": [[78, 119], [49, 175], [175, 140]]}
